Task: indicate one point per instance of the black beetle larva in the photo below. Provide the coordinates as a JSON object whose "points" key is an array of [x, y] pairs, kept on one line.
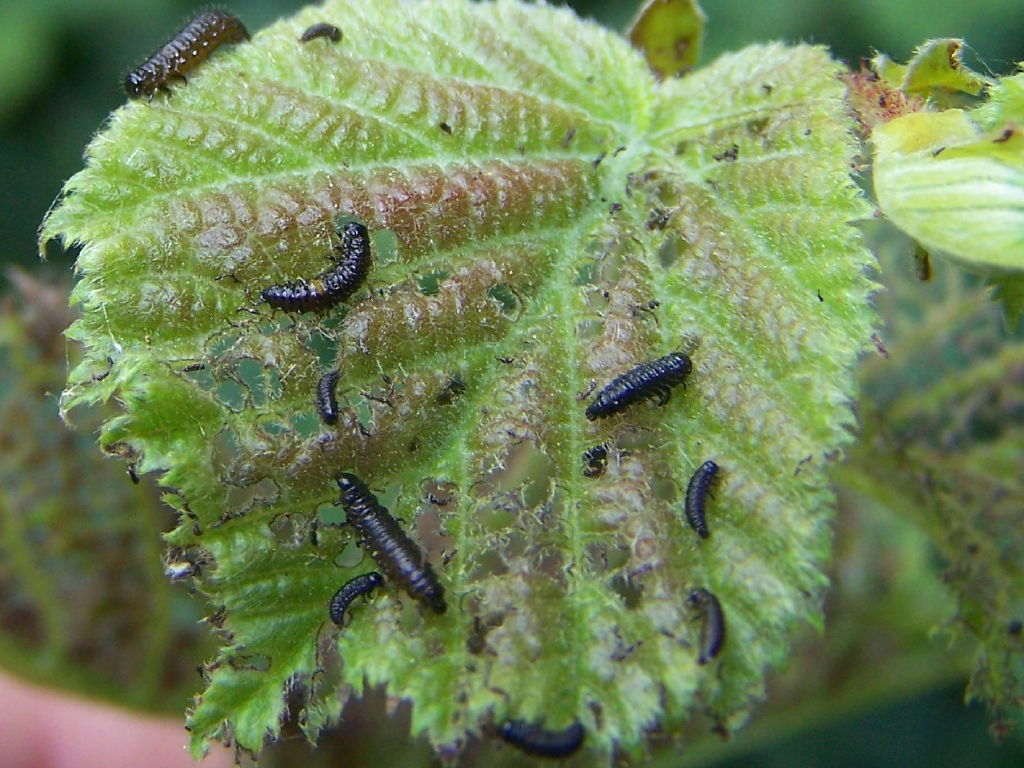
{"points": [[393, 550], [696, 497], [333, 286], [595, 460], [363, 584], [326, 400], [534, 740], [713, 636], [323, 29], [652, 379], [184, 52]]}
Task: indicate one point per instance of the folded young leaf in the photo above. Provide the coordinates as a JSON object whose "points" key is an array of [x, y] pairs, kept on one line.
{"points": [[545, 218], [936, 71], [956, 188], [954, 179]]}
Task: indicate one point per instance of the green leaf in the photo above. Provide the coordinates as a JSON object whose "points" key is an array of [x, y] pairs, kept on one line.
{"points": [[957, 189], [936, 74], [546, 216], [954, 179], [1005, 105], [1009, 291], [670, 34], [937, 67]]}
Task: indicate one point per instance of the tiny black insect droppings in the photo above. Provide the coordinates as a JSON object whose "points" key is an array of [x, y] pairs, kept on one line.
{"points": [[654, 378], [185, 51], [658, 219], [350, 590], [534, 740], [445, 127], [323, 29], [595, 460], [333, 286], [713, 636], [393, 550], [729, 155], [696, 497], [476, 641], [451, 391], [326, 399]]}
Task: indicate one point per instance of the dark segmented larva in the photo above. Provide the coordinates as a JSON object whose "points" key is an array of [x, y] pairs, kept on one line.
{"points": [[713, 636], [534, 740], [595, 460], [350, 590], [654, 378], [393, 550], [323, 29], [333, 286], [326, 400], [696, 497], [185, 51]]}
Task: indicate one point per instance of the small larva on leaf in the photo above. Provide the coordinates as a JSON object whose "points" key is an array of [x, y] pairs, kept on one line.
{"points": [[651, 379], [189, 48], [323, 29], [696, 497], [326, 399], [393, 550], [713, 635], [595, 460], [363, 584], [534, 740], [333, 286]]}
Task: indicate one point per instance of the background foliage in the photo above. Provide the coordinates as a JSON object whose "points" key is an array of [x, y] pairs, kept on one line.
{"points": [[62, 69]]}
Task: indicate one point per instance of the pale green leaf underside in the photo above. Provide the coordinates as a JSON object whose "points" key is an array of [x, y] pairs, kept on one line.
{"points": [[578, 218]]}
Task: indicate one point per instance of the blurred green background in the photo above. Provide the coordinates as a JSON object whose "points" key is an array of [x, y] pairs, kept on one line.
{"points": [[62, 63]]}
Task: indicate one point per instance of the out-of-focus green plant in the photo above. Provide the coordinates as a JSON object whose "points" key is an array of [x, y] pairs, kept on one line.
{"points": [[85, 602]]}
